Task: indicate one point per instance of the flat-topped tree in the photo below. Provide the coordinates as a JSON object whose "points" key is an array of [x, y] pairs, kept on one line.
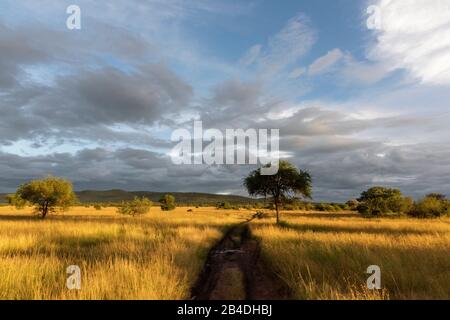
{"points": [[288, 182], [46, 195]]}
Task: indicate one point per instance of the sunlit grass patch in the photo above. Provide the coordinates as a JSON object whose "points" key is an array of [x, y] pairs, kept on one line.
{"points": [[326, 258], [157, 256]]}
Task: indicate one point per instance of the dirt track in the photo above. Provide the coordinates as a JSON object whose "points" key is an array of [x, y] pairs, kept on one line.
{"points": [[234, 271]]}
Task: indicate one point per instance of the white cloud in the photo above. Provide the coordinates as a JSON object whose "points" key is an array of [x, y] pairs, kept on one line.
{"points": [[297, 72], [251, 55], [359, 72], [415, 35], [326, 62], [284, 48]]}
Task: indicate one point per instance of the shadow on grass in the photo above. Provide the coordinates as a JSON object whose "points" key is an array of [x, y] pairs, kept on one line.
{"points": [[20, 217], [323, 215], [126, 220], [320, 228], [100, 249]]}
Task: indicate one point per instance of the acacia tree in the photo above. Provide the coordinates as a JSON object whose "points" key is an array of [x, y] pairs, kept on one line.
{"points": [[46, 195], [287, 183]]}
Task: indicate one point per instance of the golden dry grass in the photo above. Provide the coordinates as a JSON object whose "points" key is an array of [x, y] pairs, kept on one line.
{"points": [[325, 256], [157, 256]]}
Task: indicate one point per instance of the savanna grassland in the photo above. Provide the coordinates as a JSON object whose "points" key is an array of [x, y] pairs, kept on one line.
{"points": [[157, 256], [161, 254], [325, 256]]}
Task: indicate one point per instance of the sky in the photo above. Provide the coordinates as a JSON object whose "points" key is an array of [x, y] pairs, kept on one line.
{"points": [[356, 106]]}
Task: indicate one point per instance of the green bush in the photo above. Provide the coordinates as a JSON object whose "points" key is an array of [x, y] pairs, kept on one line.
{"points": [[224, 205], [168, 203], [258, 205], [326, 207], [296, 204], [320, 207], [382, 201], [290, 207], [363, 208], [137, 206], [352, 204], [430, 207], [97, 206]]}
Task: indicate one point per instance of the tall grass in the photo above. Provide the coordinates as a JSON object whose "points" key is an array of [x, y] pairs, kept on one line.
{"points": [[323, 256], [157, 256]]}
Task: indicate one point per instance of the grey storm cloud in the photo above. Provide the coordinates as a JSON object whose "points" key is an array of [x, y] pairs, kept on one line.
{"points": [[90, 101], [17, 48], [109, 96], [229, 100], [86, 97], [110, 91], [337, 176], [415, 169], [100, 168]]}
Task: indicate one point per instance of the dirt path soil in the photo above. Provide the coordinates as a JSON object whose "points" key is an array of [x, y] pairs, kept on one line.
{"points": [[234, 271]]}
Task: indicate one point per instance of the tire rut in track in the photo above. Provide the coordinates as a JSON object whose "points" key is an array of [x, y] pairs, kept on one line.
{"points": [[234, 271]]}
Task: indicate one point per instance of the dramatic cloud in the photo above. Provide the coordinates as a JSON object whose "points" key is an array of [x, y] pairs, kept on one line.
{"points": [[17, 49], [93, 99], [415, 35], [98, 105]]}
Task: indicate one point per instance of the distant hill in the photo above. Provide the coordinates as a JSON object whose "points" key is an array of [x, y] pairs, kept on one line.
{"points": [[189, 198]]}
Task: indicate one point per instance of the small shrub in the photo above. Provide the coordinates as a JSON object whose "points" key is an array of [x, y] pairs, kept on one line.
{"points": [[97, 206], [224, 205], [290, 207], [352, 204], [320, 207], [326, 207], [168, 203], [135, 207]]}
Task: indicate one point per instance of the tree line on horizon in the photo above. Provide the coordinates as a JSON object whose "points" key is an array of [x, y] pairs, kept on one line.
{"points": [[53, 194], [286, 190]]}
